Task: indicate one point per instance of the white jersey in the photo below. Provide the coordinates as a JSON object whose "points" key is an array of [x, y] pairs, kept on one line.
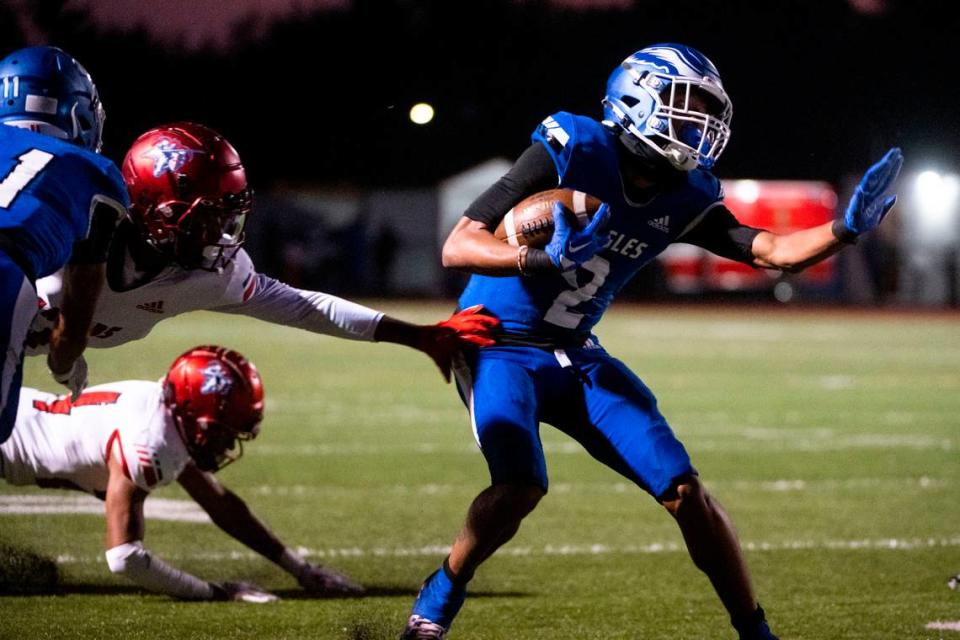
{"points": [[124, 316], [60, 443]]}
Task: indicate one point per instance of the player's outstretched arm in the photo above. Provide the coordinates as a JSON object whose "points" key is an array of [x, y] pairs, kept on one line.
{"points": [[81, 289], [440, 341], [318, 312], [127, 556], [866, 210], [229, 512]]}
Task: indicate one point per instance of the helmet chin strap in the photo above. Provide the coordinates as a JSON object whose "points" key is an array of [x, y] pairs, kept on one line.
{"points": [[653, 162], [679, 157]]}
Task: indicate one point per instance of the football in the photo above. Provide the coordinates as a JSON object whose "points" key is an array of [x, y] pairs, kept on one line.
{"points": [[530, 222]]}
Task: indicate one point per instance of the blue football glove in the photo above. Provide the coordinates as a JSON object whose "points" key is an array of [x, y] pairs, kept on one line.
{"points": [[570, 247], [868, 205]]}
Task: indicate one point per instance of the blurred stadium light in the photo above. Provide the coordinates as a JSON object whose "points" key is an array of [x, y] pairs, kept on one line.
{"points": [[930, 239], [421, 113], [936, 196]]}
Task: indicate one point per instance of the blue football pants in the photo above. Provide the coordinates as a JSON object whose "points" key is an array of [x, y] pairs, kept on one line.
{"points": [[584, 392], [18, 306]]}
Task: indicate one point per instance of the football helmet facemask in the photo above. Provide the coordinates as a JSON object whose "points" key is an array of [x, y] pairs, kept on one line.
{"points": [[654, 100], [215, 397], [45, 90], [189, 195]]}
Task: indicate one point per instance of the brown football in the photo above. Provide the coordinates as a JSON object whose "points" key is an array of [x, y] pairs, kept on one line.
{"points": [[530, 222]]}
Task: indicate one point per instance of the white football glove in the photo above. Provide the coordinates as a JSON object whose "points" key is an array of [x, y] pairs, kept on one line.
{"points": [[317, 579], [242, 592], [74, 379]]}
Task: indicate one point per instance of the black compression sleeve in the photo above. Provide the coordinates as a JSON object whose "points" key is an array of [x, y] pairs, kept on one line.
{"points": [[722, 234], [533, 172], [93, 249]]}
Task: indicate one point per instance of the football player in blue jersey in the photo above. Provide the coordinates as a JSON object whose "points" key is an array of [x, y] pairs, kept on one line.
{"points": [[666, 122], [59, 201]]}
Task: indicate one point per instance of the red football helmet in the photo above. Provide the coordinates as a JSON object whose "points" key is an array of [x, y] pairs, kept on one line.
{"points": [[189, 195], [215, 396]]}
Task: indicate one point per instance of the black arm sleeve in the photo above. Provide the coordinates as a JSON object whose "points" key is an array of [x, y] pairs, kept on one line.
{"points": [[103, 222], [533, 172], [721, 233]]}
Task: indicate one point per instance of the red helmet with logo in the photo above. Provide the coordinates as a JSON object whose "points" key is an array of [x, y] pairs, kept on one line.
{"points": [[188, 193], [215, 397]]}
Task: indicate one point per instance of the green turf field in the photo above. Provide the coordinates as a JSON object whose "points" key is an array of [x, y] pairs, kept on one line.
{"points": [[833, 440]]}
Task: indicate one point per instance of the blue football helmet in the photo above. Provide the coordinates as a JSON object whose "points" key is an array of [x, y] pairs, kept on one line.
{"points": [[45, 90], [650, 103]]}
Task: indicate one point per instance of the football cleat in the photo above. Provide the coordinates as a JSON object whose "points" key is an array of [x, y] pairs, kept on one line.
{"points": [[667, 99], [419, 628], [243, 592], [954, 582]]}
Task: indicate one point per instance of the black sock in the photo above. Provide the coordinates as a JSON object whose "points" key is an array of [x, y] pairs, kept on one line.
{"points": [[749, 621], [459, 580]]}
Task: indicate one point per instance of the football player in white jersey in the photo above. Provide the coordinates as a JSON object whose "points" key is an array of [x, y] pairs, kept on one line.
{"points": [[181, 250], [122, 440]]}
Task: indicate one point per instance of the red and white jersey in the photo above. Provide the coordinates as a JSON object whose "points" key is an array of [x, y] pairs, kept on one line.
{"points": [[128, 315], [60, 443]]}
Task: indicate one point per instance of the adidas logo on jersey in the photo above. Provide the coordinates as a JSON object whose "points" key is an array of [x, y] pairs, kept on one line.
{"points": [[660, 224], [152, 307]]}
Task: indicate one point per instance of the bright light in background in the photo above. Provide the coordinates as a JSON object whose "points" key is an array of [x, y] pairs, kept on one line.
{"points": [[421, 113], [936, 195], [746, 191]]}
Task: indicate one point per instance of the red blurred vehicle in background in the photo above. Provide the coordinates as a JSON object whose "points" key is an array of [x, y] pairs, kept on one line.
{"points": [[780, 206]]}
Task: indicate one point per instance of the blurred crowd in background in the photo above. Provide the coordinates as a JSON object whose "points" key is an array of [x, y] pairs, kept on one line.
{"points": [[367, 126]]}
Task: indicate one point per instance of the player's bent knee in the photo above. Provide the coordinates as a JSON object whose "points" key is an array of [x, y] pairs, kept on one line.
{"points": [[522, 498], [684, 493]]}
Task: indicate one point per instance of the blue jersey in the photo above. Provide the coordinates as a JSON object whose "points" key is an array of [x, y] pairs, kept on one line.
{"points": [[562, 306], [49, 188]]}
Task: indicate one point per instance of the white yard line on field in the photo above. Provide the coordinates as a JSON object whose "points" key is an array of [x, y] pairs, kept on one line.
{"points": [[783, 485], [188, 511], [579, 549], [944, 625], [770, 441], [154, 508]]}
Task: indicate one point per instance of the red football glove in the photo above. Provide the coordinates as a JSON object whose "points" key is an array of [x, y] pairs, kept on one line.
{"points": [[468, 327], [472, 326]]}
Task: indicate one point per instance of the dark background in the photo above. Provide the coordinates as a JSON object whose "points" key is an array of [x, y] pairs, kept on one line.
{"points": [[820, 88]]}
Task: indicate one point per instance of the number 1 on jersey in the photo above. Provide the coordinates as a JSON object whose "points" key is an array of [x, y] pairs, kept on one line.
{"points": [[31, 163]]}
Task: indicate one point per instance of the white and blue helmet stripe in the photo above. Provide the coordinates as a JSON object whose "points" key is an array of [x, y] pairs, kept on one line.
{"points": [[679, 60], [648, 102]]}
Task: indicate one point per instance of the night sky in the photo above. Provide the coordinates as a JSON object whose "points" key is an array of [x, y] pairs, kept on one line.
{"points": [[320, 95]]}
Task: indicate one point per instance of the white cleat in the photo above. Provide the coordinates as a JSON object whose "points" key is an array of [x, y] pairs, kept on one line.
{"points": [[419, 628], [954, 582]]}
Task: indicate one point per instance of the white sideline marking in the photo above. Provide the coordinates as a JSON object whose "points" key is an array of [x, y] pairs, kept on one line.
{"points": [[588, 549], [953, 625], [154, 508]]}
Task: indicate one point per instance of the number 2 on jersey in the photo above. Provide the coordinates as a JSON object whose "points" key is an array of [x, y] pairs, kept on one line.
{"points": [[31, 163], [559, 313]]}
